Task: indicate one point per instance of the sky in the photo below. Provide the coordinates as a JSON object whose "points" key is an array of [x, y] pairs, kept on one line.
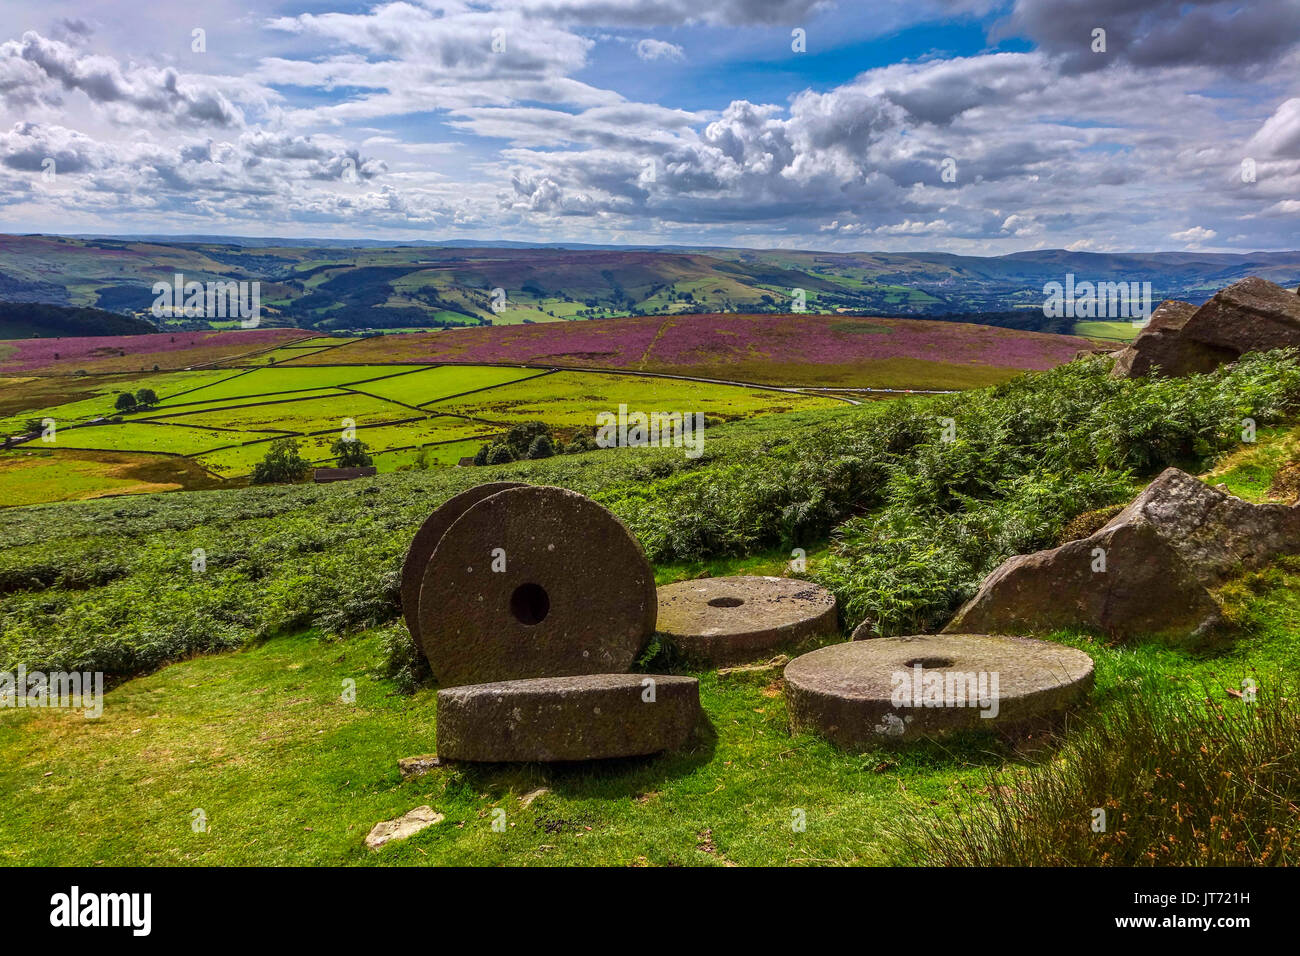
{"points": [[963, 126]]}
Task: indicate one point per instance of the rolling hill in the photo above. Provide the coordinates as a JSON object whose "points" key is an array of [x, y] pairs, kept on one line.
{"points": [[330, 285]]}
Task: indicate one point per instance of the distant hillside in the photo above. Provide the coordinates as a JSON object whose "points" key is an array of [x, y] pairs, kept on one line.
{"points": [[337, 286], [21, 320]]}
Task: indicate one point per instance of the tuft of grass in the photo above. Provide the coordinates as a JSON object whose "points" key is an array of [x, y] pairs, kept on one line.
{"points": [[1150, 782]]}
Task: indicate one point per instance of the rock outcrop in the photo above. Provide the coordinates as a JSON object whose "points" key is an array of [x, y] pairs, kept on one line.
{"points": [[1252, 315], [1148, 572]]}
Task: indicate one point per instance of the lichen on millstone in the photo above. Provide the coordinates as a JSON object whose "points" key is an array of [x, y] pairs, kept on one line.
{"points": [[899, 689], [591, 717], [535, 582], [732, 620], [425, 542], [1148, 572]]}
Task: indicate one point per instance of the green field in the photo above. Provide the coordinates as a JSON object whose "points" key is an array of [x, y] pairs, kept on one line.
{"points": [[574, 399], [224, 419], [104, 393], [1108, 331], [146, 436], [274, 381]]}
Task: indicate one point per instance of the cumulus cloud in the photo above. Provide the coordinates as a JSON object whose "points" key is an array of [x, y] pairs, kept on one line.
{"points": [[37, 70], [1194, 235], [517, 117]]}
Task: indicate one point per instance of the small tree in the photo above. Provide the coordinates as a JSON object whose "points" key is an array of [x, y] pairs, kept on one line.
{"points": [[500, 455], [282, 463], [125, 402], [541, 447], [351, 453], [146, 396]]}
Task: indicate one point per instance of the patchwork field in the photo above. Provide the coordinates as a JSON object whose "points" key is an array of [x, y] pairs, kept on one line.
{"points": [[766, 349], [220, 422], [423, 400]]}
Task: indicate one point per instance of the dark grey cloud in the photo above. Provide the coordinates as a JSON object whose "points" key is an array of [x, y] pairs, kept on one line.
{"points": [[1160, 33]]}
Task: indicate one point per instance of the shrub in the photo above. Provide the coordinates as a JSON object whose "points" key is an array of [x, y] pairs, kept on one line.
{"points": [[500, 454], [125, 402], [351, 453], [541, 447], [281, 464]]}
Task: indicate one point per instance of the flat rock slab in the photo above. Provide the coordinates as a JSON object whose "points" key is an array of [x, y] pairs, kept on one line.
{"points": [[732, 620], [567, 718], [898, 689], [407, 825], [426, 541], [535, 582]]}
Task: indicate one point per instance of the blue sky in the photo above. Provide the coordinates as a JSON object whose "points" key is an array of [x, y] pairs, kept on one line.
{"points": [[958, 125]]}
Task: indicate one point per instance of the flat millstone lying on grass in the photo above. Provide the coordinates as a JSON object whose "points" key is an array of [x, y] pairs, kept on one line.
{"points": [[732, 620], [567, 718], [863, 693]]}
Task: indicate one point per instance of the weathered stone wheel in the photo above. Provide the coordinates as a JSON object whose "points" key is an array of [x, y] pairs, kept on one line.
{"points": [[731, 620], [535, 582], [567, 718], [426, 540], [893, 689]]}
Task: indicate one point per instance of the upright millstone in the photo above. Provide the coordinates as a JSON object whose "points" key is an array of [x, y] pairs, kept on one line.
{"points": [[535, 582], [591, 717], [897, 689], [426, 541], [732, 620]]}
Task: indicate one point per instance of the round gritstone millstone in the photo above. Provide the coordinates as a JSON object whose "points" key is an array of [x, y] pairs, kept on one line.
{"points": [[567, 718], [576, 595], [735, 619], [426, 541], [891, 689]]}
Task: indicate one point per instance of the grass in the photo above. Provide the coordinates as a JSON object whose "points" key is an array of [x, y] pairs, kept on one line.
{"points": [[574, 399], [75, 400], [148, 437], [226, 408], [41, 475], [1108, 331], [1188, 769], [304, 415], [242, 711], [288, 773], [273, 381], [1249, 472], [443, 382]]}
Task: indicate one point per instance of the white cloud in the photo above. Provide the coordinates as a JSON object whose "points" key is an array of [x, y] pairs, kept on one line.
{"points": [[1194, 235]]}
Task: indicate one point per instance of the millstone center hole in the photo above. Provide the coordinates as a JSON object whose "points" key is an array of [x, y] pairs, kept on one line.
{"points": [[530, 604], [932, 662], [726, 602]]}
